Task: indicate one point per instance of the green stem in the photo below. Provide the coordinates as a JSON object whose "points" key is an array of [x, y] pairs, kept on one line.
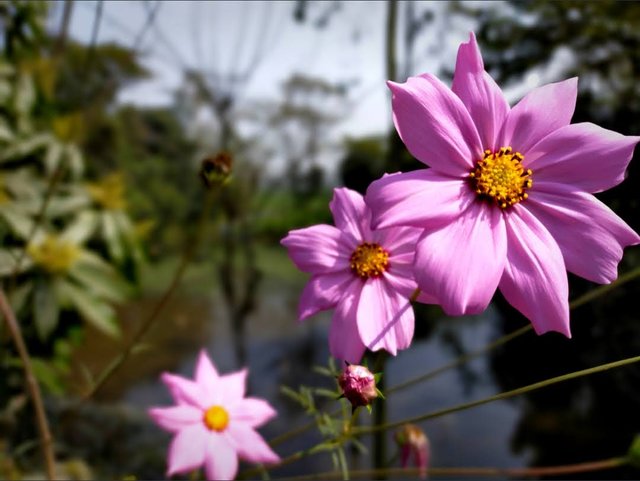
{"points": [[473, 472], [583, 299], [188, 254], [46, 440], [497, 397]]}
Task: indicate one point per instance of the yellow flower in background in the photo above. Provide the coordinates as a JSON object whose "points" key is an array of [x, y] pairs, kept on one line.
{"points": [[109, 191], [53, 254]]}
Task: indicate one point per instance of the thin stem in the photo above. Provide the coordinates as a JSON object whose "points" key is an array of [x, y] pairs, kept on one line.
{"points": [[461, 360], [187, 256], [46, 439], [585, 298], [580, 301], [344, 467], [497, 397], [471, 472]]}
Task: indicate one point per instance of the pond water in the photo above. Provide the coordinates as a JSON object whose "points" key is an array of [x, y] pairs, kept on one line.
{"points": [[282, 351]]}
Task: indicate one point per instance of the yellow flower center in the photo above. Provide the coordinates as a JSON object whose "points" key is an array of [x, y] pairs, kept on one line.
{"points": [[216, 418], [369, 260], [500, 176], [53, 254], [108, 192]]}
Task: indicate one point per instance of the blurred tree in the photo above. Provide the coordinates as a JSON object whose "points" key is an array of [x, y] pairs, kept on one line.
{"points": [[363, 162]]}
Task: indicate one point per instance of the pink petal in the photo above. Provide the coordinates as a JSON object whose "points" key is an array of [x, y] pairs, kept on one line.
{"points": [[399, 277], [233, 386], [185, 391], [319, 249], [398, 240], [252, 411], [479, 93], [187, 450], [250, 445], [344, 340], [422, 198], [462, 262], [542, 111], [175, 418], [582, 155], [350, 213], [323, 292], [435, 125], [534, 279], [206, 372], [221, 459], [591, 237], [385, 318]]}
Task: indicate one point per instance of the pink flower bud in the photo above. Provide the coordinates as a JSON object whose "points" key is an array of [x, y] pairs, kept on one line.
{"points": [[358, 385], [413, 440]]}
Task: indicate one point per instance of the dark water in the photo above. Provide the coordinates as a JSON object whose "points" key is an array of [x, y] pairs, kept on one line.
{"points": [[282, 351]]}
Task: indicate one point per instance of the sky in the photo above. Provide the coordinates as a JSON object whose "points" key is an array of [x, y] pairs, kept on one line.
{"points": [[224, 37], [206, 35]]}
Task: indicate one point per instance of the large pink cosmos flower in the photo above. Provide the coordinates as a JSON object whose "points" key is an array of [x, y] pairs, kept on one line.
{"points": [[506, 203], [213, 422], [365, 274]]}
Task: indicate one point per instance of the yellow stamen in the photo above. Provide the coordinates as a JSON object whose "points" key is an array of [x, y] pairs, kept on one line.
{"points": [[501, 177], [108, 192], [53, 254], [216, 418], [369, 260]]}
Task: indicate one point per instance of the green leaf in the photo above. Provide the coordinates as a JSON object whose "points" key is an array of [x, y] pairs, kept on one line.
{"points": [[104, 284], [81, 228], [59, 206], [325, 393], [45, 308], [74, 157], [47, 376], [53, 156], [19, 223], [18, 296], [291, 394], [25, 146], [112, 236], [8, 260], [25, 94], [99, 314], [634, 452]]}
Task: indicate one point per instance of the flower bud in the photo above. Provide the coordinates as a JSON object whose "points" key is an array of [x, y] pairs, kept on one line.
{"points": [[216, 170], [358, 385], [413, 440]]}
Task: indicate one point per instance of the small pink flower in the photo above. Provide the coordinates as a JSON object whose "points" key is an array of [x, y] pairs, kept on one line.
{"points": [[507, 201], [358, 385], [413, 440], [213, 422], [365, 274]]}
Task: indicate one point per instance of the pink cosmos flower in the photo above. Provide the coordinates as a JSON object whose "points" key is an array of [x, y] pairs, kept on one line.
{"points": [[365, 274], [358, 385], [213, 422], [507, 201], [413, 441]]}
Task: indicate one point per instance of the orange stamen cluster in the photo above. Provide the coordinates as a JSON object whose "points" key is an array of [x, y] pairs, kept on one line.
{"points": [[501, 177], [216, 418], [369, 260]]}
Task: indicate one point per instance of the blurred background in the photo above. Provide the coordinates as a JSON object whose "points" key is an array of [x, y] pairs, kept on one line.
{"points": [[107, 110]]}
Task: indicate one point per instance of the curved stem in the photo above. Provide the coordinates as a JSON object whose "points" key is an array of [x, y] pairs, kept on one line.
{"points": [[585, 298], [46, 439], [580, 301], [497, 397], [187, 256], [471, 472]]}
